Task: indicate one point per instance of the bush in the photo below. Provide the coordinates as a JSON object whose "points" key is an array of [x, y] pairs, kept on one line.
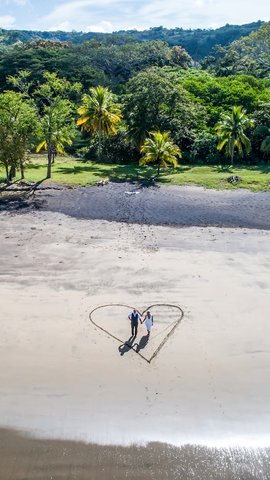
{"points": [[115, 149], [205, 147]]}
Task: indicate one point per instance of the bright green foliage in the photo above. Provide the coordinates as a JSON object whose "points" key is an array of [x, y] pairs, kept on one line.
{"points": [[21, 81], [231, 132], [219, 94], [159, 87], [160, 150], [53, 86], [99, 113], [18, 122]]}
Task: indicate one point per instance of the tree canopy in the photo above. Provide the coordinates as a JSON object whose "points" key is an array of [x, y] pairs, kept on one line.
{"points": [[88, 93]]}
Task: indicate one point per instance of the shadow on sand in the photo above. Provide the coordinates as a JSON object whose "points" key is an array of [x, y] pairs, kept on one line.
{"points": [[142, 343], [130, 345], [127, 346]]}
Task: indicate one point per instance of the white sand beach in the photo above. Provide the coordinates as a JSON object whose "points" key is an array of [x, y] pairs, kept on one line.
{"points": [[62, 377]]}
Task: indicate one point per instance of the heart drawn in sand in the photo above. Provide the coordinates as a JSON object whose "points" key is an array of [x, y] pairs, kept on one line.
{"points": [[112, 319]]}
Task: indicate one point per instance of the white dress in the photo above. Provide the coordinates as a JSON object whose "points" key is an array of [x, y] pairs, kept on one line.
{"points": [[149, 323]]}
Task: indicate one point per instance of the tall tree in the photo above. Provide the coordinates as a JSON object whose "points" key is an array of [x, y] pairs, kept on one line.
{"points": [[155, 100], [231, 132], [160, 150], [18, 122], [56, 111], [57, 129], [99, 114]]}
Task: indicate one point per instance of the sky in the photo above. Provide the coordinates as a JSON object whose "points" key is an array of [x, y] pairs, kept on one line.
{"points": [[112, 15]]}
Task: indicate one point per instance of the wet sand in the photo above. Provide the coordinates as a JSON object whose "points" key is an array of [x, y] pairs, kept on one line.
{"points": [[164, 205], [63, 378], [22, 457]]}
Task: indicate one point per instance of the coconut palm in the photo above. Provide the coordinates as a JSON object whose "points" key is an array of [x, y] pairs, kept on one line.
{"points": [[160, 150], [57, 129], [231, 132], [55, 145], [99, 113]]}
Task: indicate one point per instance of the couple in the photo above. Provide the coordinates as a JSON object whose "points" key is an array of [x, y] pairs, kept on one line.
{"points": [[135, 317]]}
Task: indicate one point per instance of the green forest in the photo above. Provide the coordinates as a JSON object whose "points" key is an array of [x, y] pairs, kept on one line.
{"points": [[159, 99]]}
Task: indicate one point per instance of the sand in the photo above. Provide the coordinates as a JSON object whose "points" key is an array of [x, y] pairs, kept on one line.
{"points": [[23, 457], [63, 378], [153, 205]]}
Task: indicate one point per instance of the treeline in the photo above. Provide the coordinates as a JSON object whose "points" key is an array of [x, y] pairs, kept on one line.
{"points": [[212, 115], [91, 63], [197, 42], [250, 54]]}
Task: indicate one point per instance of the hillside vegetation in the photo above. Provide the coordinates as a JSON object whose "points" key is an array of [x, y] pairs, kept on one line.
{"points": [[137, 99], [197, 42]]}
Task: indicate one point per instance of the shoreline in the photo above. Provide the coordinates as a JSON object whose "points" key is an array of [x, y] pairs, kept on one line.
{"points": [[24, 457]]}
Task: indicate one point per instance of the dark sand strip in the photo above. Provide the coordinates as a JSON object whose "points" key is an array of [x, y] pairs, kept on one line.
{"points": [[25, 458], [165, 205]]}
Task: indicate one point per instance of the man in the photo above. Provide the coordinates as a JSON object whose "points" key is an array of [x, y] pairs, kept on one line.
{"points": [[134, 318]]}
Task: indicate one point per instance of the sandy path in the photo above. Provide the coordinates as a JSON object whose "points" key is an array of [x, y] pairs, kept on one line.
{"points": [[60, 377]]}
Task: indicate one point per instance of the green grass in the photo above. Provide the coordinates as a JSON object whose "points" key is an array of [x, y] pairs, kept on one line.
{"points": [[72, 172]]}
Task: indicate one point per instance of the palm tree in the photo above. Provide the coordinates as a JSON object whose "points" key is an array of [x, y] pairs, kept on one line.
{"points": [[56, 144], [160, 150], [99, 113], [56, 129], [231, 132]]}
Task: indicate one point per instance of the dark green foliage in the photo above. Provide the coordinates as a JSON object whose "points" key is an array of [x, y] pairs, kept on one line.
{"points": [[198, 42], [91, 63], [154, 78], [261, 133], [205, 147], [115, 149], [250, 54], [153, 102]]}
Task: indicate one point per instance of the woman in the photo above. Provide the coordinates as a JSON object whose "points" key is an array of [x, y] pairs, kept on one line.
{"points": [[149, 321]]}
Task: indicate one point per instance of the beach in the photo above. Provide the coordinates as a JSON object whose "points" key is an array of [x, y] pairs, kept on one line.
{"points": [[66, 382], [152, 204]]}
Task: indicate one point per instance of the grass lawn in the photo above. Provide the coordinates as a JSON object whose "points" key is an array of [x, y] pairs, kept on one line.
{"points": [[73, 172]]}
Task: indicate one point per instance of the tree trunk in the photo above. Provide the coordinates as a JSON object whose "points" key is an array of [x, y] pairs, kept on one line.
{"points": [[99, 146], [22, 170], [12, 173], [49, 167], [232, 158], [7, 175]]}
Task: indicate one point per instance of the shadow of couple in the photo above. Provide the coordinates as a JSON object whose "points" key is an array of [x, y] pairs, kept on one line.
{"points": [[131, 345]]}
